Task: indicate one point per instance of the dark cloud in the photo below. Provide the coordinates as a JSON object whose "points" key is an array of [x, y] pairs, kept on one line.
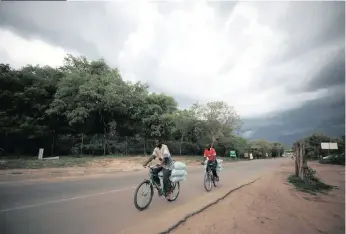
{"points": [[307, 30], [333, 74], [71, 25], [326, 76], [326, 115]]}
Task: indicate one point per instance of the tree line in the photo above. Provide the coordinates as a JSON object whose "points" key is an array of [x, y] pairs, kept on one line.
{"points": [[313, 150], [85, 107]]}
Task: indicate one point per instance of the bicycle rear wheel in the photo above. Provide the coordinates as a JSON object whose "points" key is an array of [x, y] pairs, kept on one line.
{"points": [[175, 190], [147, 192]]}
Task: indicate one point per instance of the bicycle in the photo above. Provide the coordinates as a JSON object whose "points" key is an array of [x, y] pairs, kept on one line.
{"points": [[150, 185], [209, 178]]}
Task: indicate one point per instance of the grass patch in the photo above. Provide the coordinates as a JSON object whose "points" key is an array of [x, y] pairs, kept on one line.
{"points": [[317, 187]]}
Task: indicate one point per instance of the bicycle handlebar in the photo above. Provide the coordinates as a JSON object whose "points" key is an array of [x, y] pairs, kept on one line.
{"points": [[149, 166]]}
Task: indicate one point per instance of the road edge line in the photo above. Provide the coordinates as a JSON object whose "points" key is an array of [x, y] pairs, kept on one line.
{"points": [[183, 220]]}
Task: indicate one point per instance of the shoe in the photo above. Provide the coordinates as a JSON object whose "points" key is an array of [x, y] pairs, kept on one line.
{"points": [[159, 189], [168, 196]]}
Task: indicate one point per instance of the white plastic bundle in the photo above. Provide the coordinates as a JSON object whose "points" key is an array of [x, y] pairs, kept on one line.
{"points": [[179, 166], [219, 160], [219, 165], [179, 172], [205, 164], [218, 169]]}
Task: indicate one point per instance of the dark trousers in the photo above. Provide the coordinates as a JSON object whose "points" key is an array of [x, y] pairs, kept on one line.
{"points": [[213, 165], [166, 174]]}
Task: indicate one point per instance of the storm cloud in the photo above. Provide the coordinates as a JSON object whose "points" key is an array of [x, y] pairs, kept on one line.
{"points": [[280, 64]]}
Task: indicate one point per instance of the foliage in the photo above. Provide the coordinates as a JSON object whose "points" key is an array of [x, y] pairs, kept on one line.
{"points": [[85, 107], [313, 149], [259, 148], [220, 118]]}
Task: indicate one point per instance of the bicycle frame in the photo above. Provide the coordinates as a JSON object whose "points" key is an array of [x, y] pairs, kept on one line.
{"points": [[209, 171], [209, 178], [152, 182], [160, 189]]}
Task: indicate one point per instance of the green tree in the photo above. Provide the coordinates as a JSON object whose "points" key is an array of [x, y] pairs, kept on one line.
{"points": [[85, 107], [233, 142], [313, 142], [219, 117], [89, 92], [260, 147], [183, 123], [277, 149]]}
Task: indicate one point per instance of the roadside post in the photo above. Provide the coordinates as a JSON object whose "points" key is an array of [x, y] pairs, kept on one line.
{"points": [[40, 153]]}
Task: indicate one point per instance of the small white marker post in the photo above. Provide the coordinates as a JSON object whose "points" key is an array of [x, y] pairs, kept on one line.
{"points": [[40, 153]]}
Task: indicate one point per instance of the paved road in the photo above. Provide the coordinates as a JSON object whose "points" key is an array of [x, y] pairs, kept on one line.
{"points": [[101, 204]]}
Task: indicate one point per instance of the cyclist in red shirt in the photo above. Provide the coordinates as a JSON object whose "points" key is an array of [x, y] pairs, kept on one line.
{"points": [[210, 154]]}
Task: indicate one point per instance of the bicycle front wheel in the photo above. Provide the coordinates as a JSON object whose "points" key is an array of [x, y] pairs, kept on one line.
{"points": [[144, 190], [207, 182]]}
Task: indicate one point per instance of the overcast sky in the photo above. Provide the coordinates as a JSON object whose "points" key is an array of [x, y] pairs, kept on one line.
{"points": [[280, 64]]}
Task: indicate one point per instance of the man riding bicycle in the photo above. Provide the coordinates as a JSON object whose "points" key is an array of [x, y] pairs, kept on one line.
{"points": [[210, 154], [166, 165]]}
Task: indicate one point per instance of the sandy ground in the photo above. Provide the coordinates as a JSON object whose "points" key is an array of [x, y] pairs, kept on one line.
{"points": [[125, 164], [131, 163], [272, 206], [103, 165]]}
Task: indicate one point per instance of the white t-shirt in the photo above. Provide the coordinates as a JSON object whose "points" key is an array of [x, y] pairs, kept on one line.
{"points": [[161, 153], [164, 153]]}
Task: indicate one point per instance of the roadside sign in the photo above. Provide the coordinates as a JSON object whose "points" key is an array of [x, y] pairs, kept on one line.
{"points": [[232, 154], [329, 145], [333, 145]]}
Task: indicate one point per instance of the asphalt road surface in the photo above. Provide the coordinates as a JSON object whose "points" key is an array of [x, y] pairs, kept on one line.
{"points": [[101, 204]]}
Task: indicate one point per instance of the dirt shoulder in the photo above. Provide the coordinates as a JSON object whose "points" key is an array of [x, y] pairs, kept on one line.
{"points": [[271, 205], [23, 169]]}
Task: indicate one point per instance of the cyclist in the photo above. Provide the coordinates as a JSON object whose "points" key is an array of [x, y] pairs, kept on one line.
{"points": [[210, 154], [166, 165]]}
